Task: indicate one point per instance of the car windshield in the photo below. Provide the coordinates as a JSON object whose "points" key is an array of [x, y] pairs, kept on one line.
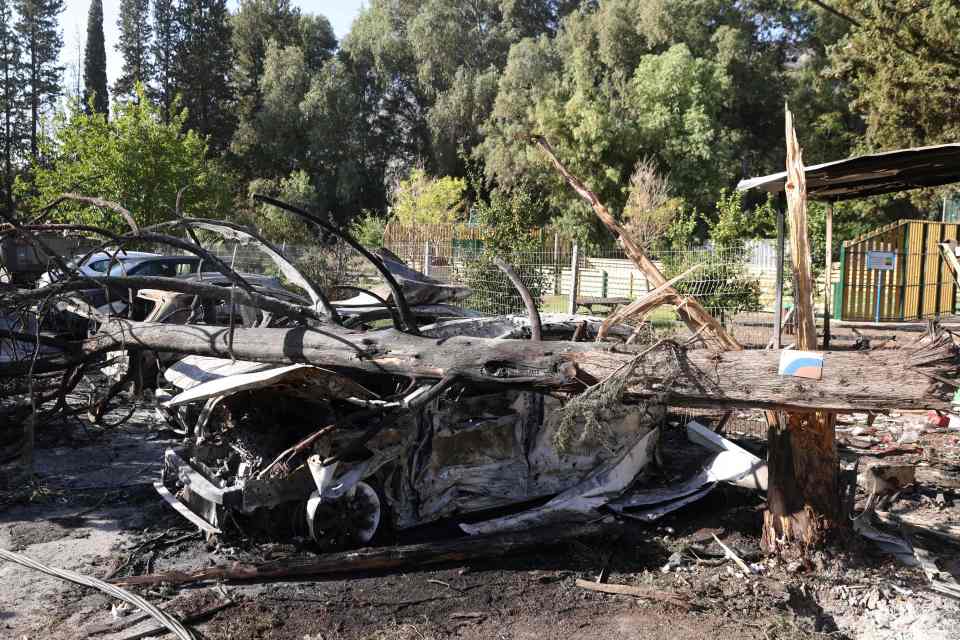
{"points": [[118, 267]]}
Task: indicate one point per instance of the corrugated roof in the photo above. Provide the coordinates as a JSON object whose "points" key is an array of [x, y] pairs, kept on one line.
{"points": [[873, 174]]}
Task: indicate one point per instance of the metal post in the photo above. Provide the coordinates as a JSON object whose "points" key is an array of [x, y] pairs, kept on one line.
{"points": [[778, 305], [557, 270], [827, 287], [574, 278], [879, 285], [426, 258]]}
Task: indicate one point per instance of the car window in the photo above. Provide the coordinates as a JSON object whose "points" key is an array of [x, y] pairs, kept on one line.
{"points": [[100, 266], [155, 268], [186, 266], [122, 267]]}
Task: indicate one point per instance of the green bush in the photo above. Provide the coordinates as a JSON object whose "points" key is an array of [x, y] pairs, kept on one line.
{"points": [[510, 217]]}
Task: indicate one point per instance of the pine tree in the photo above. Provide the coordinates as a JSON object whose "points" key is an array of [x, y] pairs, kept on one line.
{"points": [[40, 40], [166, 40], [134, 46], [201, 67], [11, 76], [95, 62]]}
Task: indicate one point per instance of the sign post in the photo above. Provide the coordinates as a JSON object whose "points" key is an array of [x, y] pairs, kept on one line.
{"points": [[881, 262]]}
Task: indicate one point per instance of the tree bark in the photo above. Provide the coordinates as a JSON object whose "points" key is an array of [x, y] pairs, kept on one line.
{"points": [[804, 489], [902, 378]]}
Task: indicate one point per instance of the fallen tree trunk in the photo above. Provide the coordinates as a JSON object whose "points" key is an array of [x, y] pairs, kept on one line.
{"points": [[916, 377]]}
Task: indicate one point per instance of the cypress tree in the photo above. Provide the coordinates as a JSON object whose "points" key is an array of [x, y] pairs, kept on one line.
{"points": [[201, 68], [40, 40], [134, 46], [11, 78], [95, 62], [166, 40]]}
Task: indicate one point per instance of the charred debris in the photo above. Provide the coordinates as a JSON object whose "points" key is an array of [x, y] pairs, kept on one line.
{"points": [[301, 419]]}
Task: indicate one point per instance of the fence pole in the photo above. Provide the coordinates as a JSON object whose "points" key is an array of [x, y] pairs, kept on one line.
{"points": [[829, 269], [574, 277], [557, 270], [778, 305], [426, 258]]}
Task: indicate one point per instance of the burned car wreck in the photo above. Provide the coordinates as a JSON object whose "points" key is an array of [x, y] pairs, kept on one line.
{"points": [[262, 453]]}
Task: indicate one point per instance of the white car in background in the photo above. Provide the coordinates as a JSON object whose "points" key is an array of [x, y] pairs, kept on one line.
{"points": [[98, 264]]}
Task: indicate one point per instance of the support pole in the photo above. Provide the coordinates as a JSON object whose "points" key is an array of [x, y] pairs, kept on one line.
{"points": [[426, 258], [828, 284], [574, 277], [778, 305]]}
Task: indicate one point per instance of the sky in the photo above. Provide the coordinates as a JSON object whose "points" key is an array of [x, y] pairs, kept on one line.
{"points": [[73, 23]]}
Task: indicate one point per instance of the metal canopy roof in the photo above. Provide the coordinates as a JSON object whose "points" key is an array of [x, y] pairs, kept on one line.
{"points": [[873, 174]]}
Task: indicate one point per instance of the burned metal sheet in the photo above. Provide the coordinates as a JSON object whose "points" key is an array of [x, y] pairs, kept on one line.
{"points": [[296, 379]]}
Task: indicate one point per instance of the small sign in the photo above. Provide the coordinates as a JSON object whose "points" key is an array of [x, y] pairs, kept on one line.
{"points": [[801, 364], [881, 260]]}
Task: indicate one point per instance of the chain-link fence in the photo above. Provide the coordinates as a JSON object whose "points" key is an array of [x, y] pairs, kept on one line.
{"points": [[736, 285]]}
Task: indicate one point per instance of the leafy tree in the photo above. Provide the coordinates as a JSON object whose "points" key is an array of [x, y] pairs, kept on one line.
{"points": [[135, 159], [134, 46], [262, 30], [902, 61], [40, 41], [95, 62], [510, 217], [436, 65], [201, 68], [279, 225], [166, 41], [421, 199], [733, 222], [601, 119], [368, 228]]}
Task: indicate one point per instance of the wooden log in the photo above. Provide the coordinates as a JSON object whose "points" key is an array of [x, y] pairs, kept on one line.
{"points": [[383, 558], [898, 378]]}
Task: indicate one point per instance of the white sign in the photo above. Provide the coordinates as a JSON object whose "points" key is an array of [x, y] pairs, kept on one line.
{"points": [[881, 260]]}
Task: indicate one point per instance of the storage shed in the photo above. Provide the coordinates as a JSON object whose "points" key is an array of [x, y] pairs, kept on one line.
{"points": [[918, 282], [899, 268]]}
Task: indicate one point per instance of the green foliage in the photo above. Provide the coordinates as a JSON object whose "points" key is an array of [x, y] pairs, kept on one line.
{"points": [[134, 47], [276, 52], [681, 230], [733, 223], [166, 41], [278, 225], [40, 39], [201, 68], [723, 283], [135, 159], [368, 229], [421, 199], [510, 217], [95, 62]]}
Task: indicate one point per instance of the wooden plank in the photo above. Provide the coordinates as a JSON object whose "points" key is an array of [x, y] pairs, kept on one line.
{"points": [[948, 286], [912, 282], [931, 269]]}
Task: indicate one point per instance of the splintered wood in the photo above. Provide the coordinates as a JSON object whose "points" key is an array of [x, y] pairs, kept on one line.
{"points": [[690, 311], [804, 499]]}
